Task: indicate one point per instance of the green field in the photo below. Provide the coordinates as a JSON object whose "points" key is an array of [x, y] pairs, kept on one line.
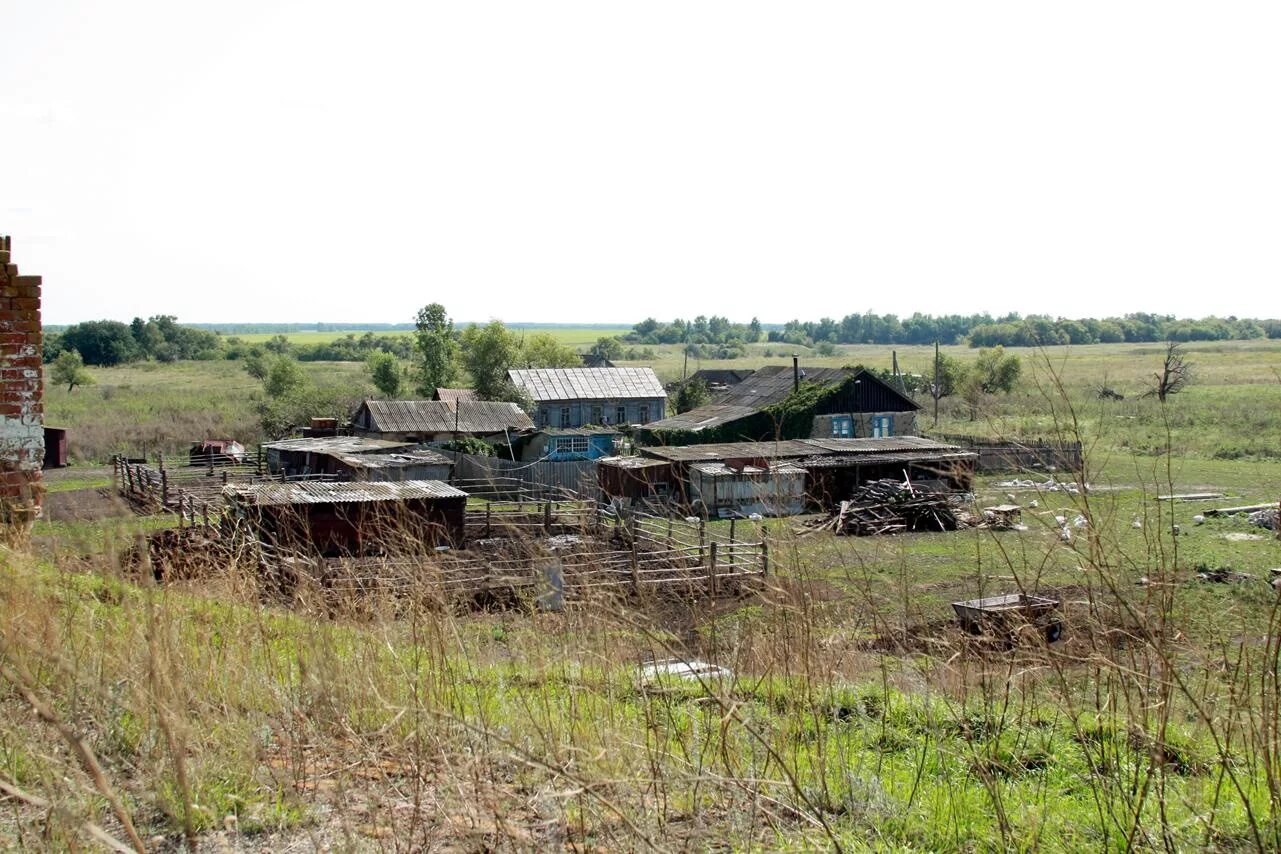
{"points": [[857, 716]]}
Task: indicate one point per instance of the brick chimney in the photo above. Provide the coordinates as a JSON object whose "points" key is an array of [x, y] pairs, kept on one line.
{"points": [[21, 397]]}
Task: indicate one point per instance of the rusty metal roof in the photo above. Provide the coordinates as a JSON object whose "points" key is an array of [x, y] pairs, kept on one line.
{"points": [[337, 445], [545, 384], [442, 416], [316, 492]]}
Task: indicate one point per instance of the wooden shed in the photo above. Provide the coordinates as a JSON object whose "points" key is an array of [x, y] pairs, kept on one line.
{"points": [[351, 519]]}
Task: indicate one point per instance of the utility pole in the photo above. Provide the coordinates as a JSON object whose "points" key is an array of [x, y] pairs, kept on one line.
{"points": [[937, 385]]}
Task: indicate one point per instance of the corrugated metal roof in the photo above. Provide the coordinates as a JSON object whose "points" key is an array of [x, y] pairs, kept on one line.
{"points": [[544, 384], [701, 418], [795, 448], [577, 431], [337, 445], [923, 455], [767, 387], [722, 470], [314, 492], [631, 462], [453, 394], [389, 461], [879, 446], [440, 416], [729, 450]]}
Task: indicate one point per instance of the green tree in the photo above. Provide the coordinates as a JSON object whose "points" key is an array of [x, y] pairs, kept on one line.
{"points": [[437, 349], [544, 351], [608, 347], [384, 370], [69, 368], [996, 371], [489, 352], [692, 395], [283, 378]]}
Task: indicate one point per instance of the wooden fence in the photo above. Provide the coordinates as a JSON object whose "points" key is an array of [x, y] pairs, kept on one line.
{"points": [[504, 478], [1017, 455]]}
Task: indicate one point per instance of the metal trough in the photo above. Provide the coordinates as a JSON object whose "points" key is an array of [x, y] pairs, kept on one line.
{"points": [[1004, 615]]}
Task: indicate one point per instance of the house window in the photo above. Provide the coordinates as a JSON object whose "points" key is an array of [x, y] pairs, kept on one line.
{"points": [[598, 413], [620, 414], [542, 417], [644, 413], [882, 426], [564, 417], [571, 445], [842, 426]]}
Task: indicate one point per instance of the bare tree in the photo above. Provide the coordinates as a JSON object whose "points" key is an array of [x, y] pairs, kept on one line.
{"points": [[1175, 373]]}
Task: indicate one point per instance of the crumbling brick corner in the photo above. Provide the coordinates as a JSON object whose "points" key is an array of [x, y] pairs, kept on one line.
{"points": [[21, 398]]}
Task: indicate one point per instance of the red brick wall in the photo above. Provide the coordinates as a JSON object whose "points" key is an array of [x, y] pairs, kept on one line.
{"points": [[21, 393]]}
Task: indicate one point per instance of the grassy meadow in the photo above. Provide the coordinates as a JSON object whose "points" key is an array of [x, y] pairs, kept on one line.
{"points": [[855, 716]]}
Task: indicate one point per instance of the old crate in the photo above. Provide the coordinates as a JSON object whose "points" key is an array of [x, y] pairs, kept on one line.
{"points": [[1005, 615]]}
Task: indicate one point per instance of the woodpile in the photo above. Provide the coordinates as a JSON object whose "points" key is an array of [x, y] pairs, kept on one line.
{"points": [[889, 507]]}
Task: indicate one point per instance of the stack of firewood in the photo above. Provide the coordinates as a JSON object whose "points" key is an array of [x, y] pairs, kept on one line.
{"points": [[889, 507]]}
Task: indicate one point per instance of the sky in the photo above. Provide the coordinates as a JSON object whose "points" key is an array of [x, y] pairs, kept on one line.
{"points": [[602, 162]]}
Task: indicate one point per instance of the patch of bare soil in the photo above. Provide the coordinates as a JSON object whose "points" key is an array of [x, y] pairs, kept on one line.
{"points": [[85, 505]]}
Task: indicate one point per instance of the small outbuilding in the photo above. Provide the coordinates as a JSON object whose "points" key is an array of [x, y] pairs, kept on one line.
{"points": [[350, 519], [438, 421], [315, 456], [739, 488], [567, 443]]}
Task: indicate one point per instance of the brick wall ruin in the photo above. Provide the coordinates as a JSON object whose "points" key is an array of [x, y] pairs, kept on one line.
{"points": [[21, 395]]}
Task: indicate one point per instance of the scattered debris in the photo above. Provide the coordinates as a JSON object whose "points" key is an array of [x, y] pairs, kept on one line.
{"points": [[1221, 574], [1265, 518], [889, 507], [1002, 517], [668, 669], [1192, 496], [1248, 508], [1050, 485]]}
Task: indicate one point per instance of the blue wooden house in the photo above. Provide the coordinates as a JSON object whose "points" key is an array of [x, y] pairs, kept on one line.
{"points": [[601, 397], [562, 444]]}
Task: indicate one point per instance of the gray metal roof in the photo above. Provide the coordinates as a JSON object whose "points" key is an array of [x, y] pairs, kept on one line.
{"points": [[317, 492], [722, 470], [767, 387], [394, 461], [337, 445], [914, 446], [921, 455], [630, 462], [879, 446], [545, 384], [729, 450], [710, 415], [441, 416]]}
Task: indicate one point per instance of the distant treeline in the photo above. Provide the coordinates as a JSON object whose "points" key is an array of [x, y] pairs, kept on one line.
{"points": [[163, 339], [717, 337]]}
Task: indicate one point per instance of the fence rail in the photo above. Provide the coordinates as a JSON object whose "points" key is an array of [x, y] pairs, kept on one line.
{"points": [[1018, 454]]}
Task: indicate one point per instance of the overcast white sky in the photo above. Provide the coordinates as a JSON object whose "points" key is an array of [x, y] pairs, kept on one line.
{"points": [[599, 162]]}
